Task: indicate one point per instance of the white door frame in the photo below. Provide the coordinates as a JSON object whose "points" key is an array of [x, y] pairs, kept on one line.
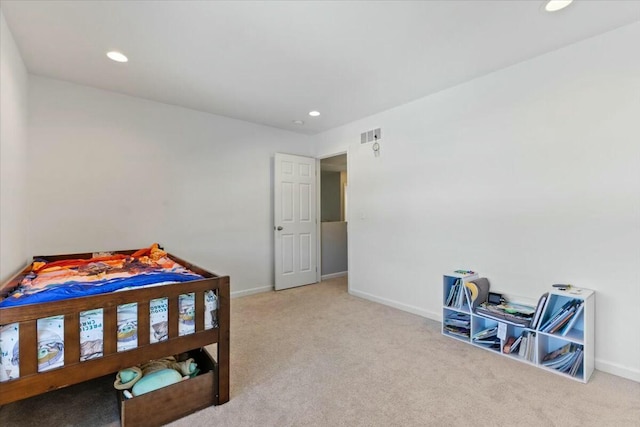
{"points": [[319, 221], [318, 215]]}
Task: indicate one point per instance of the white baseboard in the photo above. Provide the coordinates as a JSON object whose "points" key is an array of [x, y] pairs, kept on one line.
{"points": [[618, 370], [400, 306], [334, 275], [252, 291]]}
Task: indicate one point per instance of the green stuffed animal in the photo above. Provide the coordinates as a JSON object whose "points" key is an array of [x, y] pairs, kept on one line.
{"points": [[153, 375], [156, 380]]}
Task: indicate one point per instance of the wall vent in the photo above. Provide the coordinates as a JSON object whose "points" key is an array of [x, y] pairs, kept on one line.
{"points": [[371, 136]]}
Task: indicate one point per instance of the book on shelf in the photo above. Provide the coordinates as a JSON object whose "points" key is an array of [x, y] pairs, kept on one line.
{"points": [[539, 309], [567, 359], [523, 345], [488, 336], [487, 333], [466, 296], [573, 320], [451, 294], [563, 321], [456, 293], [507, 344], [560, 314], [556, 353], [555, 315], [512, 344], [489, 341], [516, 344], [458, 319], [526, 348], [531, 353], [576, 365], [457, 331], [560, 320], [561, 363], [459, 295], [518, 314], [458, 324], [455, 301]]}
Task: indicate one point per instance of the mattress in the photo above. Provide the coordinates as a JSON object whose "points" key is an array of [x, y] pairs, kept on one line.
{"points": [[70, 278]]}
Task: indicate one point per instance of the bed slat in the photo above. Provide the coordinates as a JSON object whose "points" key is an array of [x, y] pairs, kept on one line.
{"points": [[173, 316], [71, 338], [143, 323], [110, 329], [28, 348], [199, 301]]}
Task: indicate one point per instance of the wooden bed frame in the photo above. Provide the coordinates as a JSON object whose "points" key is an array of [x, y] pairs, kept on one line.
{"points": [[31, 382]]}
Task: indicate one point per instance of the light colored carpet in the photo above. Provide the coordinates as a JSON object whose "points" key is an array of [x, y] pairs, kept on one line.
{"points": [[317, 356]]}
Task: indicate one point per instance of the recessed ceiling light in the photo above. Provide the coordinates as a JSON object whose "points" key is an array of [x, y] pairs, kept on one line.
{"points": [[298, 122], [117, 56], [556, 5], [314, 113]]}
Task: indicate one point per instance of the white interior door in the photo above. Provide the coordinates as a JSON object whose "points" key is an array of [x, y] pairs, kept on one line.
{"points": [[295, 220]]}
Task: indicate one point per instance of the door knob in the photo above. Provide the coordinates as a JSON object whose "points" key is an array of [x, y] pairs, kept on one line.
{"points": [[279, 228]]}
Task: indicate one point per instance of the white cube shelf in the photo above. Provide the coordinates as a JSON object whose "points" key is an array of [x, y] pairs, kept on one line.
{"points": [[461, 322]]}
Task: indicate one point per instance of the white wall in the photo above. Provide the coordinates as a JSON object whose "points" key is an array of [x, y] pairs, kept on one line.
{"points": [[334, 248], [330, 190], [109, 171], [529, 175], [13, 155]]}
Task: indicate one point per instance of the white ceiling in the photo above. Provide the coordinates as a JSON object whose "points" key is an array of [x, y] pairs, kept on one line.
{"points": [[272, 62]]}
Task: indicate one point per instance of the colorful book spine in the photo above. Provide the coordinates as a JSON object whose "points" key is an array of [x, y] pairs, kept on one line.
{"points": [[573, 320], [539, 309], [563, 321], [558, 314]]}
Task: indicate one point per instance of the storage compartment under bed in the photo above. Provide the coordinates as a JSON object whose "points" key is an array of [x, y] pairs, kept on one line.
{"points": [[169, 403]]}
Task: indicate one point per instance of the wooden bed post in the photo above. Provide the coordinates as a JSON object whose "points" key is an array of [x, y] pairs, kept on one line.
{"points": [[224, 312]]}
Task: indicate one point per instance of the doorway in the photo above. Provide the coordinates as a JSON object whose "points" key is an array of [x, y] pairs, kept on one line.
{"points": [[333, 216]]}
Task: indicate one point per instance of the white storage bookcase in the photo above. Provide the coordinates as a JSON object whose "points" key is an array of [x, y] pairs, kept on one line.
{"points": [[581, 334]]}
